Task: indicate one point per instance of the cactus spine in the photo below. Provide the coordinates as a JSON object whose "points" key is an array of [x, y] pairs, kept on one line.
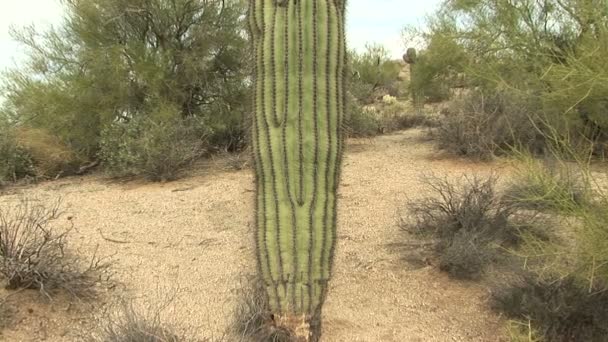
{"points": [[299, 102]]}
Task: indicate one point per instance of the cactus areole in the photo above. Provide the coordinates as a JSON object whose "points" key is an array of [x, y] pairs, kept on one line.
{"points": [[297, 141]]}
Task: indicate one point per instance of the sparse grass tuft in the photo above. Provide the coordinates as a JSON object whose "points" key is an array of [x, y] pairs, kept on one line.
{"points": [[34, 253], [539, 186], [252, 318], [522, 332], [126, 323], [6, 314]]}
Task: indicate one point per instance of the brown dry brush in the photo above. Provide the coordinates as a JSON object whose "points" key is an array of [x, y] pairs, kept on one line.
{"points": [[252, 316], [471, 222], [34, 252], [127, 323]]}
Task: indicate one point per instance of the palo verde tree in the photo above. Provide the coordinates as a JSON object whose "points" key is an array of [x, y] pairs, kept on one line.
{"points": [[300, 53], [115, 60]]}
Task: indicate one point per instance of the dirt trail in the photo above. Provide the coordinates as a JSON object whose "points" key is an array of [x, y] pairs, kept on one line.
{"points": [[194, 236]]}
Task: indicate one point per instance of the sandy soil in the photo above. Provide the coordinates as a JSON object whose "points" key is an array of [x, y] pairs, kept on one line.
{"points": [[193, 238]]}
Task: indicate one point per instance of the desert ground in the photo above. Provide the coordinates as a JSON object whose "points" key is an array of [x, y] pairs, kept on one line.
{"points": [[191, 241]]}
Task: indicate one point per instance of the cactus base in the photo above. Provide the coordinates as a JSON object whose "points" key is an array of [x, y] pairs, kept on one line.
{"points": [[299, 327]]}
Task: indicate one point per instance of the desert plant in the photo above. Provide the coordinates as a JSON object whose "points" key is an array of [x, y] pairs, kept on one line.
{"points": [[299, 102], [360, 122], [34, 253], [559, 309], [127, 322], [546, 184], [15, 162], [250, 316], [50, 156], [6, 314], [469, 219], [373, 74], [187, 53], [157, 150], [485, 125]]}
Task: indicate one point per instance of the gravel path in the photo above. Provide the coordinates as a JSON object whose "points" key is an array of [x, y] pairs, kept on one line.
{"points": [[193, 238]]}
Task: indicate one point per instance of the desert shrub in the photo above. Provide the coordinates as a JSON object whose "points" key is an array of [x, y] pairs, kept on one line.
{"points": [[34, 253], [50, 156], [374, 74], [542, 185], [15, 162], [157, 150], [127, 322], [557, 59], [401, 115], [469, 219], [483, 126], [188, 53], [558, 309], [360, 122]]}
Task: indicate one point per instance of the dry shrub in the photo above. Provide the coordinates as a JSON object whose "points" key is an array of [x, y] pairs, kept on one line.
{"points": [[127, 323], [397, 116], [158, 150], [252, 318], [34, 253], [50, 156], [560, 309], [482, 126], [470, 220]]}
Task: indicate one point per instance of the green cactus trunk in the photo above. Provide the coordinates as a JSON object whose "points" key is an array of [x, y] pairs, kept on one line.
{"points": [[299, 103]]}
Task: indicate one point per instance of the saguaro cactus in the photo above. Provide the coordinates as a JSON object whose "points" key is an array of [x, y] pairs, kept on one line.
{"points": [[299, 103], [411, 57]]}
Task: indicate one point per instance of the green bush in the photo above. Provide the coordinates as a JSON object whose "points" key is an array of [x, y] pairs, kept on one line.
{"points": [[156, 150], [374, 74], [548, 185], [15, 162], [110, 60], [360, 122], [557, 61]]}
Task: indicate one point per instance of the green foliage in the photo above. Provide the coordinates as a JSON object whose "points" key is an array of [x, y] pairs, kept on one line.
{"points": [[439, 67], [113, 60], [361, 122], [549, 185], [373, 72], [563, 289], [552, 52], [156, 149], [15, 162]]}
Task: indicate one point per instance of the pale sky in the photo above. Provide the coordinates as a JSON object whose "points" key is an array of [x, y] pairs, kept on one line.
{"points": [[378, 21]]}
